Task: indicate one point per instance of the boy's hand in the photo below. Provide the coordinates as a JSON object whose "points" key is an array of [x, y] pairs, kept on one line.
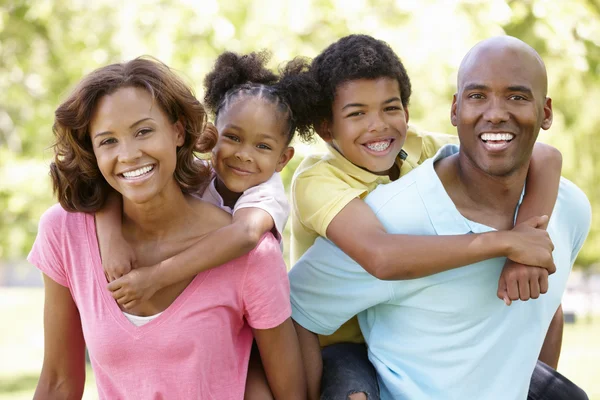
{"points": [[530, 244], [521, 282], [119, 261], [134, 288]]}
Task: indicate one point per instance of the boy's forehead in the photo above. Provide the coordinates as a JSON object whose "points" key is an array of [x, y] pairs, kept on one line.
{"points": [[367, 88]]}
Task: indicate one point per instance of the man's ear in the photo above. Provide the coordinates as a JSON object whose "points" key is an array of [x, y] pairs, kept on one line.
{"points": [[453, 116], [286, 156], [548, 114], [179, 133], [323, 129]]}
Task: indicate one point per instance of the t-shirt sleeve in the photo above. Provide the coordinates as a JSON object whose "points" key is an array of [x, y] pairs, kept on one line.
{"points": [[319, 195], [47, 253], [432, 142], [266, 288], [328, 288], [270, 197]]}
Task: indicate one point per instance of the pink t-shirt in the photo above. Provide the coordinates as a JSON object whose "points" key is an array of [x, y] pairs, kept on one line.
{"points": [[197, 348]]}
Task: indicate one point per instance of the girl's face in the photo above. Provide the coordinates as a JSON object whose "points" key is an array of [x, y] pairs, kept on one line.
{"points": [[369, 123], [135, 144], [252, 144]]}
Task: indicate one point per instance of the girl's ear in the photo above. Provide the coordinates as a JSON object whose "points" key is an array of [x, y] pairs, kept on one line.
{"points": [[324, 130], [286, 156]]}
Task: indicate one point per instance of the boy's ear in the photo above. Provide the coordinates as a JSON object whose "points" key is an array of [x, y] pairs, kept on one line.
{"points": [[285, 157], [323, 129]]}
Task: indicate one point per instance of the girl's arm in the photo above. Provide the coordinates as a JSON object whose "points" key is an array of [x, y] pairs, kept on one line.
{"points": [[118, 257], [519, 280], [216, 248], [282, 360], [63, 370]]}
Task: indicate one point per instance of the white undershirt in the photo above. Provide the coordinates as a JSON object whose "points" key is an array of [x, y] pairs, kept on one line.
{"points": [[139, 320]]}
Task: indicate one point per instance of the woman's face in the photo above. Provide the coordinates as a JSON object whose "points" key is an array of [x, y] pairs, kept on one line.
{"points": [[135, 144]]}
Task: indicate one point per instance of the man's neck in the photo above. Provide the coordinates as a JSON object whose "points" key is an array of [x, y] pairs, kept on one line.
{"points": [[478, 196]]}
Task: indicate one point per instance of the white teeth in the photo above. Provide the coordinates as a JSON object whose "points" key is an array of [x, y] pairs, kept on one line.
{"points": [[138, 172], [497, 137], [379, 146]]}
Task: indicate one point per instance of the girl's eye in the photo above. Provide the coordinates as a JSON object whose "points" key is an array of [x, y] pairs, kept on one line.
{"points": [[232, 137], [264, 147]]}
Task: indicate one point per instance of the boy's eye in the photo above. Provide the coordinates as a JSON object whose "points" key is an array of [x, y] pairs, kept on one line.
{"points": [[392, 108], [263, 146], [355, 114]]}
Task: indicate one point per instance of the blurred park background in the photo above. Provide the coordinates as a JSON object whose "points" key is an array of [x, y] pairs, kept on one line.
{"points": [[46, 46]]}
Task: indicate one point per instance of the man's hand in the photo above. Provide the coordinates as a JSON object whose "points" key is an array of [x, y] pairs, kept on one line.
{"points": [[134, 288], [530, 244], [119, 261], [521, 282]]}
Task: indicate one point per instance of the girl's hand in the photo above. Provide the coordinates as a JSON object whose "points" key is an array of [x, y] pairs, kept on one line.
{"points": [[119, 260], [134, 288], [530, 244]]}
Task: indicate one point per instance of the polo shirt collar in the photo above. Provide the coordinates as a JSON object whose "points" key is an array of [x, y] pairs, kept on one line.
{"points": [[444, 216]]}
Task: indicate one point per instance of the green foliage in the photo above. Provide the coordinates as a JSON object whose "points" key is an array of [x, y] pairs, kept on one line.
{"points": [[46, 46]]}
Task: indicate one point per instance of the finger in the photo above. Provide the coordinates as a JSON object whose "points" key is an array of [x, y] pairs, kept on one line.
{"points": [[501, 292], [543, 222], [534, 288], [543, 283], [524, 294], [123, 300], [512, 289], [114, 285], [130, 304], [117, 294]]}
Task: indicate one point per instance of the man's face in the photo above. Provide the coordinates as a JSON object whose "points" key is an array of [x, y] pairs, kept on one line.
{"points": [[499, 109]]}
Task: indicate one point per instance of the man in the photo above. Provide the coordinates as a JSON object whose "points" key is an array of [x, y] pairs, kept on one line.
{"points": [[447, 336]]}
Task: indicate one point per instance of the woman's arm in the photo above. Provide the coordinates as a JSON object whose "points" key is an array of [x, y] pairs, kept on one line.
{"points": [[63, 370], [357, 231], [282, 360], [312, 360], [519, 280], [214, 249]]}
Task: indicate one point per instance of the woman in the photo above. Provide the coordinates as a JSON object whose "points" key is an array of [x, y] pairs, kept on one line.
{"points": [[132, 127]]}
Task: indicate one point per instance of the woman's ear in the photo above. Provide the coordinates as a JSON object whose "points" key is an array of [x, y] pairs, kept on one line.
{"points": [[286, 156], [179, 133]]}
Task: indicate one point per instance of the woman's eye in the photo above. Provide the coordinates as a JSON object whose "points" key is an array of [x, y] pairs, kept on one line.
{"points": [[108, 141], [144, 131]]}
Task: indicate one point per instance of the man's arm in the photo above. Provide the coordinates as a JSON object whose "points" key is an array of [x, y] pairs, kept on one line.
{"points": [[550, 352]]}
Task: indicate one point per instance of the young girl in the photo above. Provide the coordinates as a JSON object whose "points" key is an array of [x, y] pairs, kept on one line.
{"points": [[362, 113], [132, 127], [255, 119]]}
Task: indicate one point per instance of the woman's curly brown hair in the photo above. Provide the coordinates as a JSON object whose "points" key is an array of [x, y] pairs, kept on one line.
{"points": [[76, 178]]}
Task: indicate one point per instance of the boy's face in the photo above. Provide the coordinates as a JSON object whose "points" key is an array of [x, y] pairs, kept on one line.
{"points": [[369, 123], [252, 144]]}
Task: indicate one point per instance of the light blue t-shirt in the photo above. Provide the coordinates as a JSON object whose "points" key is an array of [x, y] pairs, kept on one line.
{"points": [[445, 336]]}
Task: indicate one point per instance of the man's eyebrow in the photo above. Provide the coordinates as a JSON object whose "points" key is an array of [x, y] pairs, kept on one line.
{"points": [[131, 126], [475, 86], [520, 88]]}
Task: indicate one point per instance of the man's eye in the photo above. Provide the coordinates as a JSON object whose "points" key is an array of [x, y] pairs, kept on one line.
{"points": [[476, 96], [517, 97]]}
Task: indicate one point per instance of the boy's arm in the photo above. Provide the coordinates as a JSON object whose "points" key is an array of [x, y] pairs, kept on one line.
{"points": [[214, 249], [357, 231], [541, 192], [282, 360], [118, 257]]}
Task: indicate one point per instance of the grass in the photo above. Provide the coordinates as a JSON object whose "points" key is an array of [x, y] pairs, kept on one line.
{"points": [[21, 344]]}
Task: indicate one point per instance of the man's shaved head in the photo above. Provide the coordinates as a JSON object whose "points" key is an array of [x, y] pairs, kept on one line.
{"points": [[506, 50]]}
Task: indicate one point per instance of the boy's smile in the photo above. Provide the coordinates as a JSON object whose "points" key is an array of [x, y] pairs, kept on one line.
{"points": [[368, 124]]}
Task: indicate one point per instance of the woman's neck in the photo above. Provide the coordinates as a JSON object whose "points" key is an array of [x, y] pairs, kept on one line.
{"points": [[157, 217], [229, 197]]}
